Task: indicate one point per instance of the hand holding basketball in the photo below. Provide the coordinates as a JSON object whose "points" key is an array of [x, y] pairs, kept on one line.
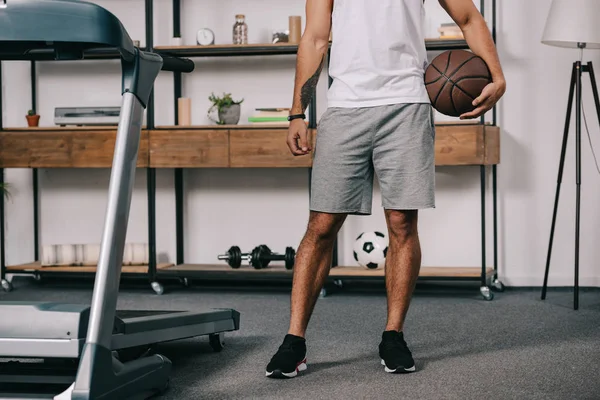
{"points": [[459, 84], [486, 100]]}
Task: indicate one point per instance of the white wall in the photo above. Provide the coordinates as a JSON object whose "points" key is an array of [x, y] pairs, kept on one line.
{"points": [[248, 207]]}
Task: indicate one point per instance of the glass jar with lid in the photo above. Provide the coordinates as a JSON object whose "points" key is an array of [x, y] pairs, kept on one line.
{"points": [[240, 30]]}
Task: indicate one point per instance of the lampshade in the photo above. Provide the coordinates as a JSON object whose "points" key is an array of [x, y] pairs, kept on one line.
{"points": [[571, 22]]}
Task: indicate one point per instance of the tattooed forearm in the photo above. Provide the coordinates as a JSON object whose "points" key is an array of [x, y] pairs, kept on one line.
{"points": [[309, 87]]}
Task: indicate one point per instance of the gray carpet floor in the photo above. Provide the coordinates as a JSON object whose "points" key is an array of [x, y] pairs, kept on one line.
{"points": [[514, 347]]}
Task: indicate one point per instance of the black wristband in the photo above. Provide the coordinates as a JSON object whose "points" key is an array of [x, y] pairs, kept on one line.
{"points": [[296, 116]]}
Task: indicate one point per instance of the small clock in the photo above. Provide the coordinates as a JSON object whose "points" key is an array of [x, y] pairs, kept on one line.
{"points": [[205, 37]]}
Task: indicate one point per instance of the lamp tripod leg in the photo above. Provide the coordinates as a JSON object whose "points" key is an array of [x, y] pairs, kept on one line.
{"points": [[560, 175], [590, 70], [578, 183]]}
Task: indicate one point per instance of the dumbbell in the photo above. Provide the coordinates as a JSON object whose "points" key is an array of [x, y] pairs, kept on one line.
{"points": [[234, 257], [258, 257], [262, 256]]}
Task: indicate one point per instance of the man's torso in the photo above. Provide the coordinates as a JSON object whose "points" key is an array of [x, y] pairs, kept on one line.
{"points": [[378, 53]]}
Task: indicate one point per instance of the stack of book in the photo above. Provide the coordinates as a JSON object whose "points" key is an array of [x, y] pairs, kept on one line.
{"points": [[450, 31], [270, 117]]}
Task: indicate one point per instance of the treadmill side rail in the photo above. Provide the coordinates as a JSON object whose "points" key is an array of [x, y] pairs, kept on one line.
{"points": [[43, 320], [121, 341], [128, 332], [40, 348], [161, 320]]}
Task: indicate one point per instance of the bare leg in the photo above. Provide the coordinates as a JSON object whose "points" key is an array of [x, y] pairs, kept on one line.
{"points": [[313, 261], [403, 263]]}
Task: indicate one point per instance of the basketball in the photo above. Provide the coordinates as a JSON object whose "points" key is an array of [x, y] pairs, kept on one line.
{"points": [[454, 79]]}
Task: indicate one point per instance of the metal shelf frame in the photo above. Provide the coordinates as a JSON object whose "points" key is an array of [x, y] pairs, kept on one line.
{"points": [[179, 179]]}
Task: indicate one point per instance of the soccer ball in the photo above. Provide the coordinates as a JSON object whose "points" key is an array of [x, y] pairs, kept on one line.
{"points": [[370, 249]]}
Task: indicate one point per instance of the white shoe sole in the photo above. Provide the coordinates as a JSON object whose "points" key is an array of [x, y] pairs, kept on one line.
{"points": [[278, 374], [393, 371]]}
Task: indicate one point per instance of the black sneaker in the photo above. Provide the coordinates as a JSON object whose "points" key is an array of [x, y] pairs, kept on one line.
{"points": [[394, 353], [289, 360]]}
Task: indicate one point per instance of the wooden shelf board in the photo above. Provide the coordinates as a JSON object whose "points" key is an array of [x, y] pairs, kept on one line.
{"points": [[63, 128], [225, 269], [285, 126], [278, 48], [426, 272], [283, 44], [36, 266], [195, 127], [338, 272], [224, 46], [441, 40], [432, 44], [466, 122], [215, 127]]}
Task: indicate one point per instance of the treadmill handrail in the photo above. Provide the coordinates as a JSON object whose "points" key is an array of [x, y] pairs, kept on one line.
{"points": [[170, 63], [177, 64]]}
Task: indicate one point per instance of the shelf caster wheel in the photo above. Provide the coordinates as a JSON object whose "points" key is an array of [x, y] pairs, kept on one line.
{"points": [[498, 286], [323, 293], [7, 286], [486, 293], [217, 341], [158, 288], [37, 277], [184, 282], [339, 283]]}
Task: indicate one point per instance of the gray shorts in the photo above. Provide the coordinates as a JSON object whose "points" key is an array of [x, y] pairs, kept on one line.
{"points": [[394, 141]]}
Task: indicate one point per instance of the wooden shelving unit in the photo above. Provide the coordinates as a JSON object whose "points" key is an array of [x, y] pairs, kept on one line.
{"points": [[220, 147], [241, 146]]}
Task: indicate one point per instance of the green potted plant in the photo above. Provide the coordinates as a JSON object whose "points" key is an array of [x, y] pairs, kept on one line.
{"points": [[33, 119], [4, 189], [228, 109]]}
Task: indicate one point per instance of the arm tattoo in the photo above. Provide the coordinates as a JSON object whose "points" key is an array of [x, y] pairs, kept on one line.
{"points": [[309, 87]]}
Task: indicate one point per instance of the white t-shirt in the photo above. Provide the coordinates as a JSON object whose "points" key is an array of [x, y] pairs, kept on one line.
{"points": [[378, 53]]}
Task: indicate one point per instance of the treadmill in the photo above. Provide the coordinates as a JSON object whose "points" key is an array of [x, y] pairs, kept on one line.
{"points": [[84, 346]]}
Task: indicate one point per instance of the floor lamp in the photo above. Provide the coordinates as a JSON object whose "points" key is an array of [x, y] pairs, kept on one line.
{"points": [[573, 24]]}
